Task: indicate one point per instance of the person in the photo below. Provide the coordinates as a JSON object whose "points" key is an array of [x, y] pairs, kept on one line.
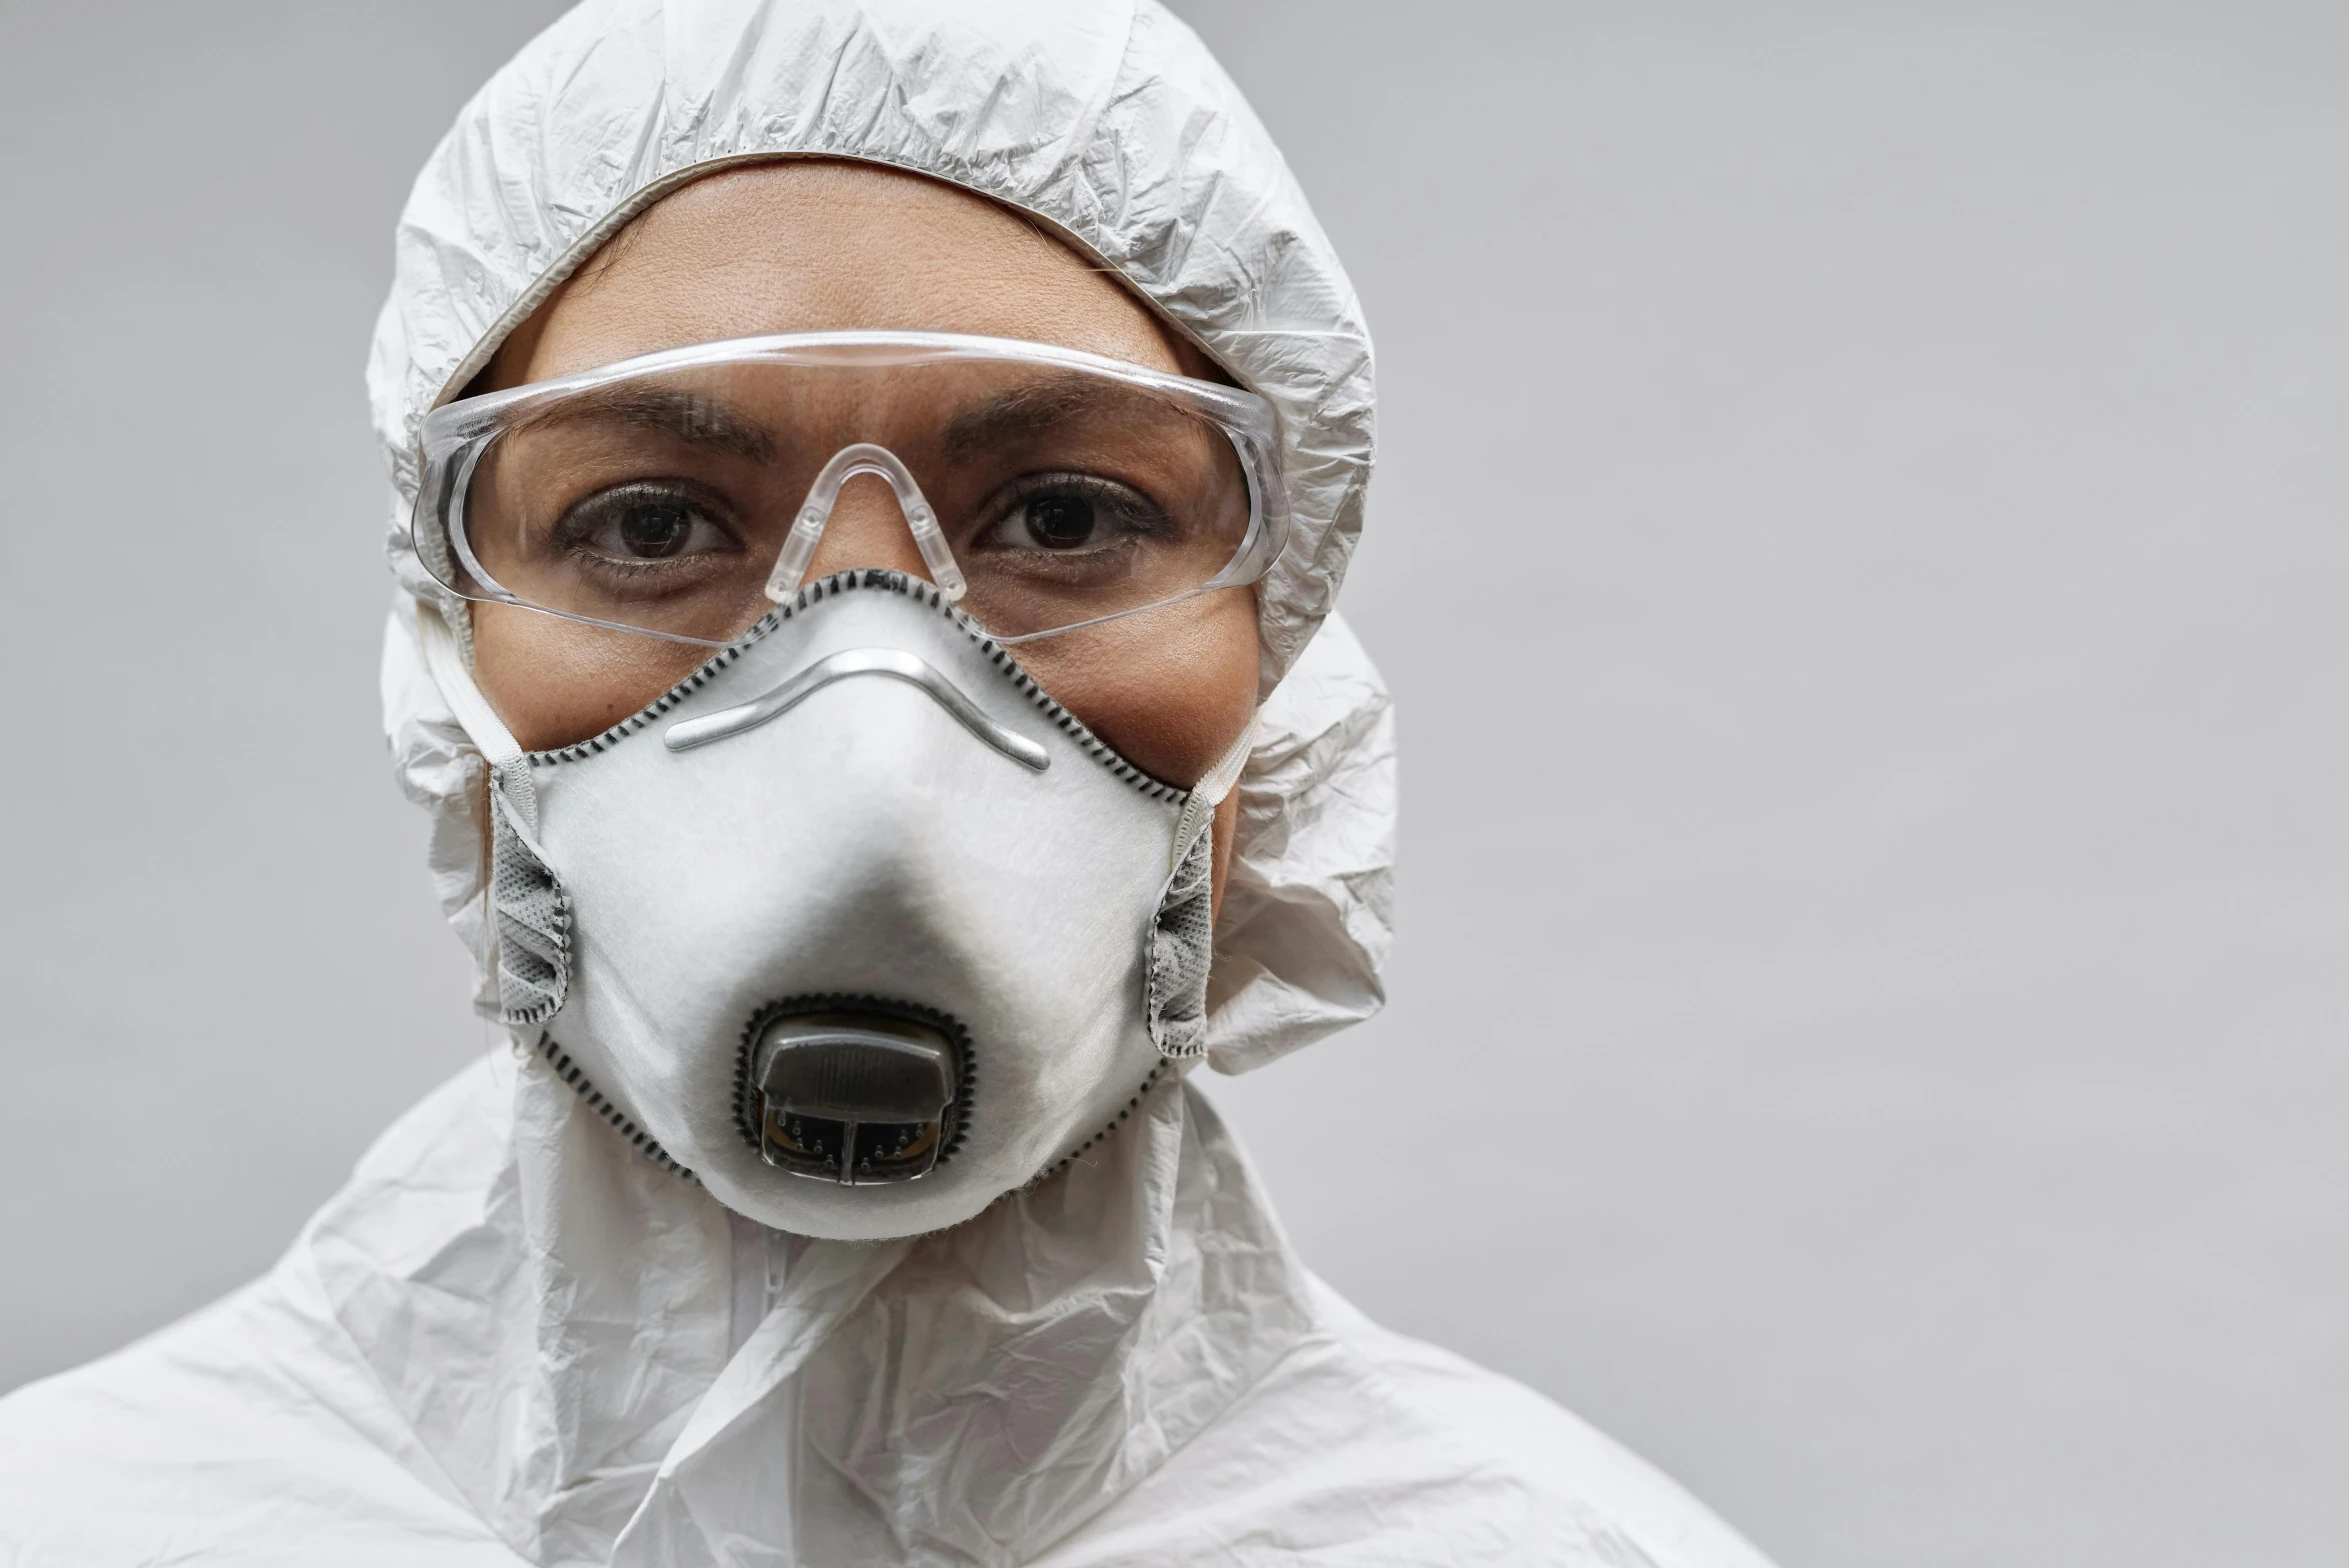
{"points": [[872, 478]]}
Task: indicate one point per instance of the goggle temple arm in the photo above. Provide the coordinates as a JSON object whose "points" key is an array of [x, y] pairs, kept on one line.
{"points": [[807, 529]]}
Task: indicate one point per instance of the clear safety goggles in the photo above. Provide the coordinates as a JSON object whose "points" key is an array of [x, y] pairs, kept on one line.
{"points": [[683, 494]]}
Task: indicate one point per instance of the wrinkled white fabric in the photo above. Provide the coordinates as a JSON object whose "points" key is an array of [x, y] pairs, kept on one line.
{"points": [[1127, 1369], [513, 1338]]}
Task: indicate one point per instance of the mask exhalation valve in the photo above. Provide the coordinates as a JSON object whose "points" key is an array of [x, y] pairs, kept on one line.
{"points": [[854, 1098]]}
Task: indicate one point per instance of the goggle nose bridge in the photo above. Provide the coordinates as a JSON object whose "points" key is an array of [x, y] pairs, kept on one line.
{"points": [[807, 529]]}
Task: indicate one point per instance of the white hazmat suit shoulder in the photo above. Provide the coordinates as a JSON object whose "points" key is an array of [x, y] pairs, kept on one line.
{"points": [[513, 1339]]}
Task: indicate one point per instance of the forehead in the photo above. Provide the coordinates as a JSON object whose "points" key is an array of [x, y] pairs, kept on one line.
{"points": [[810, 245]]}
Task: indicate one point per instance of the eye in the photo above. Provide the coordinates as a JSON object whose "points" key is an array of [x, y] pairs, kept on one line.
{"points": [[1073, 514], [1058, 522], [644, 523]]}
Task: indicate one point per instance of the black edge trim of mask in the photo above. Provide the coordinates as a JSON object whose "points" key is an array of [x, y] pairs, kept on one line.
{"points": [[1079, 1152], [643, 1142], [842, 1001], [870, 577]]}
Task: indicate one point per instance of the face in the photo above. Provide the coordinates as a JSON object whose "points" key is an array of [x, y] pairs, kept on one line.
{"points": [[808, 245]]}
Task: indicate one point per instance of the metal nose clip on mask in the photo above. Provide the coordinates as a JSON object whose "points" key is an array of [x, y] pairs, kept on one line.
{"points": [[856, 924]]}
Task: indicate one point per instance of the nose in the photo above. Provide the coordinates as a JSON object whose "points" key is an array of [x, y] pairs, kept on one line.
{"points": [[867, 528]]}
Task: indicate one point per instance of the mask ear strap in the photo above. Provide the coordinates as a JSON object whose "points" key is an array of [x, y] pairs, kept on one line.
{"points": [[480, 722], [1199, 806]]}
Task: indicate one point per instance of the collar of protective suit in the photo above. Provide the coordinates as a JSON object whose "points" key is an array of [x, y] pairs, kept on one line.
{"points": [[607, 1366]]}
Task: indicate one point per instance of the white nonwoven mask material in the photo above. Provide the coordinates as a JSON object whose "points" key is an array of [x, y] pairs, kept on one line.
{"points": [[864, 805]]}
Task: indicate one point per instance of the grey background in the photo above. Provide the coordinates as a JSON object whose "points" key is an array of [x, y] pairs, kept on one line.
{"points": [[1859, 553]]}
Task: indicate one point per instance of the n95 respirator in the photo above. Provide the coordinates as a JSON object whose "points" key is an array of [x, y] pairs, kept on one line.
{"points": [[856, 925]]}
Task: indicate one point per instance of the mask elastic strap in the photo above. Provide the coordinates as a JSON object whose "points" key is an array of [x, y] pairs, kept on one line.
{"points": [[479, 721], [1208, 793]]}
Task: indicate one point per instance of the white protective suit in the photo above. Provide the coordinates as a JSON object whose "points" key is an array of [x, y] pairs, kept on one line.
{"points": [[512, 1338]]}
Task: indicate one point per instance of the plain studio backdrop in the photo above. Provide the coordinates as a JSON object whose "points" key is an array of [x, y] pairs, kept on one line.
{"points": [[1859, 552]]}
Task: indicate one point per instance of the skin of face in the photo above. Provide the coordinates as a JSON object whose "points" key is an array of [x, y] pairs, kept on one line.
{"points": [[811, 245]]}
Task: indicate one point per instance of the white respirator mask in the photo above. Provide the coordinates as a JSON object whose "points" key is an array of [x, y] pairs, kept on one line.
{"points": [[856, 925]]}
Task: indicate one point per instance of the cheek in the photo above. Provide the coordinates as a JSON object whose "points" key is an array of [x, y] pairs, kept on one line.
{"points": [[555, 682], [1171, 688]]}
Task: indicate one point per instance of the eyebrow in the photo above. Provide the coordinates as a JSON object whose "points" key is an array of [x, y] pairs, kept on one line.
{"points": [[1029, 410], [672, 411]]}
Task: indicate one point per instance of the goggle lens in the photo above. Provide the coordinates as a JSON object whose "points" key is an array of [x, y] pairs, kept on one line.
{"points": [[664, 500]]}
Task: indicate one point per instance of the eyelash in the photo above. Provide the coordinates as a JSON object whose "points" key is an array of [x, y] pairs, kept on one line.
{"points": [[590, 515], [1126, 508], [1134, 507]]}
